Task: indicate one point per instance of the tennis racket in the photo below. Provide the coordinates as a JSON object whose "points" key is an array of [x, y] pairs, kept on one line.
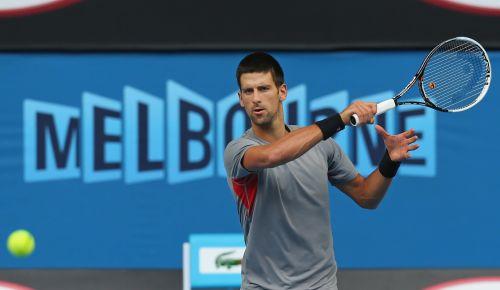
{"points": [[454, 77]]}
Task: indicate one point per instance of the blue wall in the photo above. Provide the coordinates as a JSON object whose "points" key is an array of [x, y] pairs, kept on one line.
{"points": [[441, 212]]}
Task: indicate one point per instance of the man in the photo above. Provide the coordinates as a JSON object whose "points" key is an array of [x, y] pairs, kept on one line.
{"points": [[279, 176]]}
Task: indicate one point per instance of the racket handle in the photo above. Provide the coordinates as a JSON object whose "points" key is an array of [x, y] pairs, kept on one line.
{"points": [[381, 108]]}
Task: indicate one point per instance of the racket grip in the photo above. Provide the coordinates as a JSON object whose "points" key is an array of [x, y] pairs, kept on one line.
{"points": [[382, 107]]}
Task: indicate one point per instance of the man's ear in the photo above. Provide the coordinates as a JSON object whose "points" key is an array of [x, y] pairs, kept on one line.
{"points": [[241, 101], [283, 91]]}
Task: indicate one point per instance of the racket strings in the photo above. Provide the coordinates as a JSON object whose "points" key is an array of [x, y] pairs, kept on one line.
{"points": [[447, 63], [446, 95], [455, 75], [449, 87], [447, 60], [448, 105], [444, 57]]}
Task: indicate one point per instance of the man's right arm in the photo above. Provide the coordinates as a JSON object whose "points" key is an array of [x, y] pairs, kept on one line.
{"points": [[288, 148], [299, 141]]}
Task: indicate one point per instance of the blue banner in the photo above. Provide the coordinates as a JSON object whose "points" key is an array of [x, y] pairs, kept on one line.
{"points": [[113, 160]]}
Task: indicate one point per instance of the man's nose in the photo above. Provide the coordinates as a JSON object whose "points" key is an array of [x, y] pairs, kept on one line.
{"points": [[256, 97]]}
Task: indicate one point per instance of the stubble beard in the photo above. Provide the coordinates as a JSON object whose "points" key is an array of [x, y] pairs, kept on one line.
{"points": [[263, 121]]}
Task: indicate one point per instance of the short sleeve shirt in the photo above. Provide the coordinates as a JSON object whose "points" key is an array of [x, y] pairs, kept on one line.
{"points": [[285, 215]]}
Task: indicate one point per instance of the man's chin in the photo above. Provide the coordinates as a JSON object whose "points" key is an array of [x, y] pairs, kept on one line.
{"points": [[262, 122]]}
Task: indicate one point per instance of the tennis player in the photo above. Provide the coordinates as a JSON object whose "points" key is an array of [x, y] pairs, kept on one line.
{"points": [[279, 176]]}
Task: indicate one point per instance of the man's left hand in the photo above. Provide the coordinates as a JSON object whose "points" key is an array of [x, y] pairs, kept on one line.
{"points": [[398, 146]]}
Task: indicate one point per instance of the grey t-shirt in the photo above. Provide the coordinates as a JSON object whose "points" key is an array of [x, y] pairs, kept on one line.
{"points": [[285, 215]]}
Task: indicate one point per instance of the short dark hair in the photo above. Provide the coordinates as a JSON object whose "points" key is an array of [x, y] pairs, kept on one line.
{"points": [[260, 62]]}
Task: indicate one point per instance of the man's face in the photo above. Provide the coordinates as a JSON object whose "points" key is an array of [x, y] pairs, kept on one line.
{"points": [[260, 97]]}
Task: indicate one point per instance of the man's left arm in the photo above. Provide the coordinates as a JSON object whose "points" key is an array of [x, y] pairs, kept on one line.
{"points": [[368, 192]]}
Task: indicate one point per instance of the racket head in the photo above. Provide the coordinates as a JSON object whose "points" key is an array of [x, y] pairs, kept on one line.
{"points": [[455, 76]]}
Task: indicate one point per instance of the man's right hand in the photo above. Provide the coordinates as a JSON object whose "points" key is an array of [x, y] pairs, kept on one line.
{"points": [[366, 112]]}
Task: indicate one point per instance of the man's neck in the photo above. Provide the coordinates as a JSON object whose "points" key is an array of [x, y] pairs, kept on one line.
{"points": [[271, 133]]}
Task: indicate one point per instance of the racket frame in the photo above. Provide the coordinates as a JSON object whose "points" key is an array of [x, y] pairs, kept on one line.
{"points": [[421, 72], [419, 77]]}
